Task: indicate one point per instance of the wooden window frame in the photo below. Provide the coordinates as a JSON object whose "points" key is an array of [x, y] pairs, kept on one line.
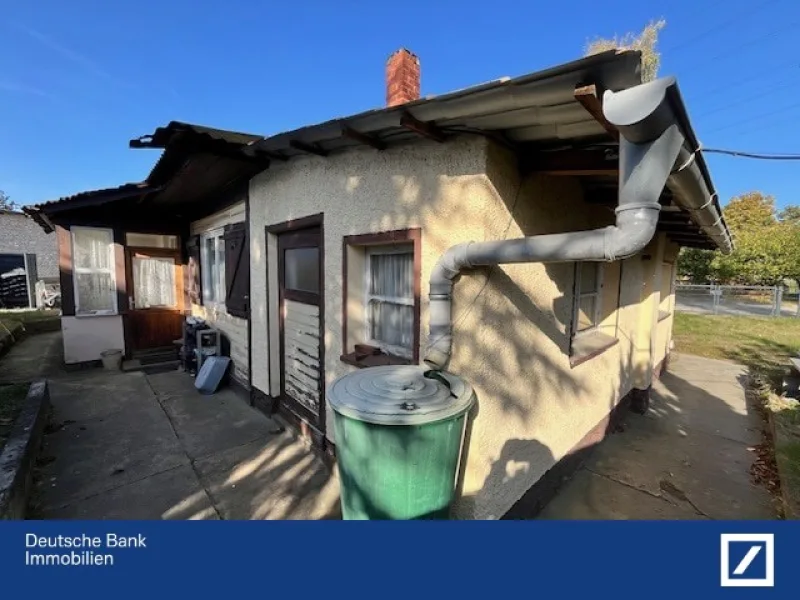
{"points": [[579, 295], [76, 270], [365, 354]]}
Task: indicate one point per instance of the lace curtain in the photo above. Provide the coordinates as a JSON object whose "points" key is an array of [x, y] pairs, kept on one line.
{"points": [[390, 309], [154, 282], [95, 285]]}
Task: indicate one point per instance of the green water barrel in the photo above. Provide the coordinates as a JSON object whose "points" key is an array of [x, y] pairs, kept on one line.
{"points": [[399, 435]]}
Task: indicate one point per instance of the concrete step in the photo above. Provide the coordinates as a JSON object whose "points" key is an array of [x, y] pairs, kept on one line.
{"points": [[150, 368]]}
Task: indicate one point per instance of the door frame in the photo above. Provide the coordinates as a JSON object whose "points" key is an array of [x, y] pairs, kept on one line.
{"points": [[296, 410], [180, 288]]}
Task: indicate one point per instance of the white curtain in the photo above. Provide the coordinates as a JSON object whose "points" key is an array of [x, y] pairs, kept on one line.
{"points": [[94, 269], [391, 298], [154, 282]]}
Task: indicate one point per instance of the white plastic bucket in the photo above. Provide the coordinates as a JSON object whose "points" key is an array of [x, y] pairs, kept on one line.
{"points": [[112, 359]]}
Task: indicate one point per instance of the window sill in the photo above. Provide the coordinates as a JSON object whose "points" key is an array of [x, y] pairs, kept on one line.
{"points": [[96, 315], [588, 346], [367, 356], [663, 315]]}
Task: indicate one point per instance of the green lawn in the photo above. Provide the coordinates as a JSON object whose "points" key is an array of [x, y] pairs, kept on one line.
{"points": [[762, 343]]}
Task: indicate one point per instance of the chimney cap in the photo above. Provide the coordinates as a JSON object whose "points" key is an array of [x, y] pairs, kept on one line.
{"points": [[405, 51]]}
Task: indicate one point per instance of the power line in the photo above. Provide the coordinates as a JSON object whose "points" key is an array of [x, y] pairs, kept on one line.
{"points": [[757, 155], [719, 26], [756, 118], [748, 99]]}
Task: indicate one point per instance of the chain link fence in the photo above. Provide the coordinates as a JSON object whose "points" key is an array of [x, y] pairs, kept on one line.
{"points": [[749, 300]]}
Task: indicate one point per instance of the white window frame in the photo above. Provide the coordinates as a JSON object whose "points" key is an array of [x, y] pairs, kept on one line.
{"points": [[382, 249], [218, 236], [112, 270], [580, 294]]}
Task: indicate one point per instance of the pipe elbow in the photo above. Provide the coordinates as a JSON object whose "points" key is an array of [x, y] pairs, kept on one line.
{"points": [[634, 229], [449, 266]]}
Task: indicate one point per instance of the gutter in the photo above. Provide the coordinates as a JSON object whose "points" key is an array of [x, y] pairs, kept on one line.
{"points": [[656, 148]]}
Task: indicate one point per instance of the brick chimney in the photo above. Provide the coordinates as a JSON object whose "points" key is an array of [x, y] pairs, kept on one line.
{"points": [[402, 78]]}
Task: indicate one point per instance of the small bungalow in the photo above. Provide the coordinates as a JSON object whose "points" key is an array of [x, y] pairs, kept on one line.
{"points": [[522, 234], [27, 256]]}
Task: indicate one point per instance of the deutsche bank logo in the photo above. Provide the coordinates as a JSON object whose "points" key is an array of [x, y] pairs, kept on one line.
{"points": [[747, 559]]}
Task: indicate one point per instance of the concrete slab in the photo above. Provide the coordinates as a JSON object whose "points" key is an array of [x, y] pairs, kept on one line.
{"points": [[173, 494], [199, 419], [592, 496], [688, 457], [275, 478], [38, 356], [136, 446]]}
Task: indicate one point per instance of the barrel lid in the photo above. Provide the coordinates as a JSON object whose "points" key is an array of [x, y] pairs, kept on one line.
{"points": [[400, 395]]}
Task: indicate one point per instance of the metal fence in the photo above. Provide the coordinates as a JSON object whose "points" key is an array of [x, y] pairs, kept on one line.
{"points": [[752, 300]]}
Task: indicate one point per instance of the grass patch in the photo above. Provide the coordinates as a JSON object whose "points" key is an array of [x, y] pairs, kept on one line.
{"points": [[12, 399], [786, 416], [763, 344]]}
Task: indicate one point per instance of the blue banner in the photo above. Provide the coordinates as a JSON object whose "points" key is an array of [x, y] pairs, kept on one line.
{"points": [[673, 560]]}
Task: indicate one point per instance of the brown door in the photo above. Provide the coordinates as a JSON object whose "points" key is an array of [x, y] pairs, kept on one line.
{"points": [[155, 298], [302, 349]]}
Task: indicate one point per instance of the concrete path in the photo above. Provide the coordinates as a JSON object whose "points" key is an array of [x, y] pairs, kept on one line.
{"points": [[135, 446], [36, 357], [688, 458]]}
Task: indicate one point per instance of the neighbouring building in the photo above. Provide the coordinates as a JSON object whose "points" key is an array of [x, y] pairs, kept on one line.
{"points": [[27, 255], [315, 251]]}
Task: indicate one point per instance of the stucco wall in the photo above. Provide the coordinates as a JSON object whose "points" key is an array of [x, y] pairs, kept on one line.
{"points": [[233, 328], [86, 337], [511, 339], [21, 235]]}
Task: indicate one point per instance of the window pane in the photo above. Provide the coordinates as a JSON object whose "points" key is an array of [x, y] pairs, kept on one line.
{"points": [[391, 324], [92, 248], [301, 269], [392, 275], [154, 282], [219, 292], [208, 268], [151, 240], [589, 278], [95, 291], [587, 312]]}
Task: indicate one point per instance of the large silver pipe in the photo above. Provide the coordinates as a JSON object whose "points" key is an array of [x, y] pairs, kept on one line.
{"points": [[650, 145]]}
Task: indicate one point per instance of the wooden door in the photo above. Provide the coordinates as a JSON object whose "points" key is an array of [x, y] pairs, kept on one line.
{"points": [[301, 339], [155, 298]]}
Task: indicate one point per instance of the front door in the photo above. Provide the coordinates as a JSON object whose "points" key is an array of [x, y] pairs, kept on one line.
{"points": [[155, 298], [302, 350]]}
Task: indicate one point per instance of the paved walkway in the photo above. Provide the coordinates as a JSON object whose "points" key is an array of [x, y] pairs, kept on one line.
{"points": [[136, 446], [688, 458]]}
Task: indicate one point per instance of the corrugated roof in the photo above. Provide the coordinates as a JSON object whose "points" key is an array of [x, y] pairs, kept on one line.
{"points": [[163, 136], [539, 108]]}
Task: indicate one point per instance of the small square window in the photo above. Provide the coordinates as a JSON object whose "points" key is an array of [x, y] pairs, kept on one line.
{"points": [[381, 298]]}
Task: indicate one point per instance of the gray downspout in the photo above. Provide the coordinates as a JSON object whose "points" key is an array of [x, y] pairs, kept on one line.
{"points": [[650, 143]]}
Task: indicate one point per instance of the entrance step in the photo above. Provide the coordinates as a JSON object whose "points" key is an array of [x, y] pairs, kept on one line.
{"points": [[150, 368]]}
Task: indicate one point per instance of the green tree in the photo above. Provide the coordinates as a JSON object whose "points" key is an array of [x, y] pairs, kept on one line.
{"points": [[645, 42], [767, 245]]}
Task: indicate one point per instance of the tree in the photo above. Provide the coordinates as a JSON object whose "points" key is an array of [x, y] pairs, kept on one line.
{"points": [[767, 245], [645, 42], [6, 203]]}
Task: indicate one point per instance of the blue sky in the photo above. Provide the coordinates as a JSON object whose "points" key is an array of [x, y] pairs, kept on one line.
{"points": [[79, 79]]}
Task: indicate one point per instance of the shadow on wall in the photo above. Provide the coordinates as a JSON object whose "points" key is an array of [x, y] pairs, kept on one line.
{"points": [[521, 374]]}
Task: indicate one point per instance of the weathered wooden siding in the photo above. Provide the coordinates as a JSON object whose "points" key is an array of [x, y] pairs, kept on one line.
{"points": [[301, 353], [234, 328]]}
